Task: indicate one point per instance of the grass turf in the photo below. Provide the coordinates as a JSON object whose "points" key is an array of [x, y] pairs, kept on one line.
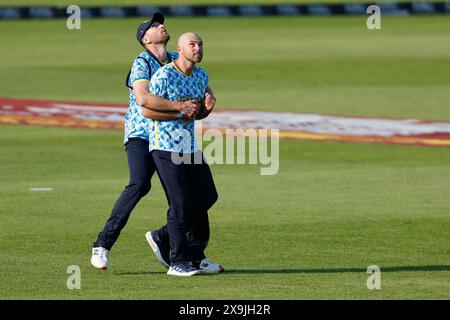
{"points": [[330, 65], [309, 232]]}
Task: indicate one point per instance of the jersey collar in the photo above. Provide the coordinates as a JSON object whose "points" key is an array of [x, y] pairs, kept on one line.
{"points": [[160, 63]]}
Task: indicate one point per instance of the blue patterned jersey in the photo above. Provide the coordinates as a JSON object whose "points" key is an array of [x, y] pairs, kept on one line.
{"points": [[143, 68], [172, 84]]}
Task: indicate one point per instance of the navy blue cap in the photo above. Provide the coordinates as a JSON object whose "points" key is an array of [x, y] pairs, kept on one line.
{"points": [[144, 26]]}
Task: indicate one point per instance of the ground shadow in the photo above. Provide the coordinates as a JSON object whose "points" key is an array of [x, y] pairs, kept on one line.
{"points": [[322, 270], [340, 270], [136, 273]]}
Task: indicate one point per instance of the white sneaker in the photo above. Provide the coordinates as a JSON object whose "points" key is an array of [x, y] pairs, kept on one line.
{"points": [[99, 258], [183, 270], [206, 266]]}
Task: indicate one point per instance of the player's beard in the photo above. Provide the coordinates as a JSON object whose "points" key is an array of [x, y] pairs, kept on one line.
{"points": [[197, 58], [166, 38], [161, 39]]}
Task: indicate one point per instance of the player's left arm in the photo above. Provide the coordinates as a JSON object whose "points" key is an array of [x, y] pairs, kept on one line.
{"points": [[210, 98], [208, 102], [207, 107]]}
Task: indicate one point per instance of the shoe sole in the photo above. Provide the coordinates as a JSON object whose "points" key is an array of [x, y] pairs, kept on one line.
{"points": [[212, 272], [179, 274], [155, 249], [101, 268]]}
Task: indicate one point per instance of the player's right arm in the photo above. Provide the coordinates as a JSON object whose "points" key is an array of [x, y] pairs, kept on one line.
{"points": [[154, 102], [139, 80], [160, 115]]}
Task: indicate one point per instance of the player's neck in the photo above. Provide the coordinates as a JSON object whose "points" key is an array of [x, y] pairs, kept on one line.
{"points": [[184, 65], [159, 51]]}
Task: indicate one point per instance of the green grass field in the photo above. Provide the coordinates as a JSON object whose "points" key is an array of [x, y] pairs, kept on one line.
{"points": [[309, 232], [323, 65]]}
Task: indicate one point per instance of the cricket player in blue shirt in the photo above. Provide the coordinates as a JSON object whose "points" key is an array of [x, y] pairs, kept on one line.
{"points": [[188, 184], [153, 36]]}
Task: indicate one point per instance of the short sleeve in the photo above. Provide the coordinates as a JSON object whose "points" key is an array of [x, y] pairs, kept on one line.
{"points": [[139, 71], [173, 55], [159, 85], [205, 79]]}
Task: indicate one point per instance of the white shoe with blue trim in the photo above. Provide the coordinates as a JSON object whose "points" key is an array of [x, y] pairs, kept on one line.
{"points": [[99, 258], [208, 267], [183, 270]]}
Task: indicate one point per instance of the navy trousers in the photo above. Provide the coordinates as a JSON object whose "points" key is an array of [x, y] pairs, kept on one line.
{"points": [[190, 192], [142, 168]]}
